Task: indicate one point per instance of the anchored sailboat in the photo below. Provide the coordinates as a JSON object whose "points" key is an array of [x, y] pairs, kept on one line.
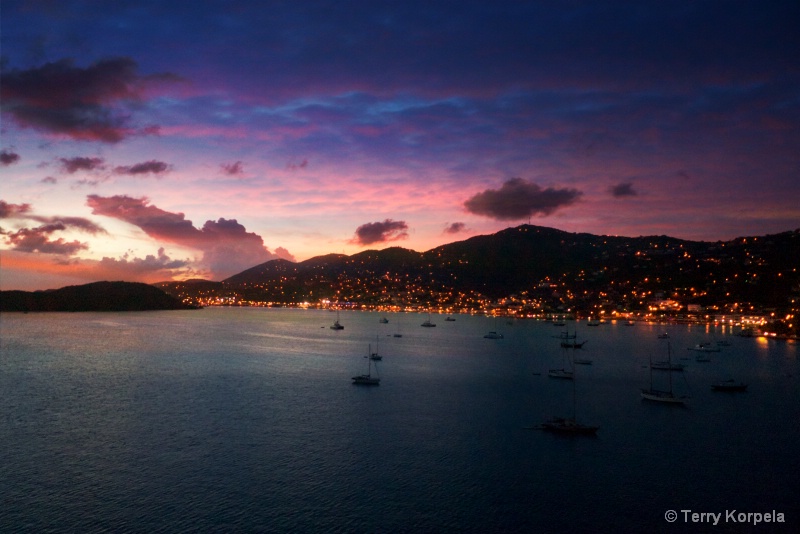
{"points": [[336, 325], [658, 395], [368, 379], [569, 425]]}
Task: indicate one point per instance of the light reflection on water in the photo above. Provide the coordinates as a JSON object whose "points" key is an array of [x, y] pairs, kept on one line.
{"points": [[245, 419]]}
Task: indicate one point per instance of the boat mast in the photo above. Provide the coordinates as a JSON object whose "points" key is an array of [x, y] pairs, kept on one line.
{"points": [[669, 360]]}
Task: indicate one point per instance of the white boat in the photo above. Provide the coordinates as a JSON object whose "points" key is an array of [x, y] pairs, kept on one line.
{"points": [[383, 320], [449, 319], [368, 379], [657, 395]]}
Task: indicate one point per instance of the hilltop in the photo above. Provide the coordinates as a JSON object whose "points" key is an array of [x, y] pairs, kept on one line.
{"points": [[97, 296]]}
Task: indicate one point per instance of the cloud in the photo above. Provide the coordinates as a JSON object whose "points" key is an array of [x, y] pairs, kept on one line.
{"points": [[232, 169], [227, 247], [73, 165], [10, 211], [380, 232], [147, 167], [455, 228], [18, 267], [89, 104], [48, 180], [38, 240], [136, 268], [24, 211], [622, 190], [518, 199], [292, 166], [8, 158]]}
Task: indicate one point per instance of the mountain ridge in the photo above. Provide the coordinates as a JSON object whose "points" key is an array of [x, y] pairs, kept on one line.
{"points": [[560, 270]]}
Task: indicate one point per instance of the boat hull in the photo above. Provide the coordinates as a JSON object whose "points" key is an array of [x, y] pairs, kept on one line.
{"points": [[561, 425], [366, 380], [661, 396]]}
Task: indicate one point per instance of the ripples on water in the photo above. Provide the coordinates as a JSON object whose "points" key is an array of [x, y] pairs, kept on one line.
{"points": [[246, 420]]}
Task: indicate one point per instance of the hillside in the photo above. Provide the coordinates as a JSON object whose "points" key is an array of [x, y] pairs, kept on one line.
{"points": [[558, 269], [98, 296]]}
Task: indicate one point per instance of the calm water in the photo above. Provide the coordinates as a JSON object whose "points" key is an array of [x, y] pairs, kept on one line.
{"points": [[242, 420]]}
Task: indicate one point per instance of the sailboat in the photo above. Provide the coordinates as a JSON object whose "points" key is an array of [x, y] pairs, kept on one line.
{"points": [[428, 323], [569, 425], [374, 356], [368, 379], [657, 395], [336, 325], [569, 341], [494, 334]]}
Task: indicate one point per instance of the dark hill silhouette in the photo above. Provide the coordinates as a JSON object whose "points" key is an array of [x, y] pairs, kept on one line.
{"points": [[550, 264], [97, 296]]}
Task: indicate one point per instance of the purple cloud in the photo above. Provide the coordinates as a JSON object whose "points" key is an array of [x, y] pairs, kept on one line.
{"points": [[622, 190], [73, 165], [8, 158], [518, 199], [38, 240], [380, 232], [11, 211], [147, 167], [87, 104], [232, 169], [455, 228]]}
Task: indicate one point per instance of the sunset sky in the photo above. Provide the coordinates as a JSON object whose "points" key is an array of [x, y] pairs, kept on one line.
{"points": [[152, 140]]}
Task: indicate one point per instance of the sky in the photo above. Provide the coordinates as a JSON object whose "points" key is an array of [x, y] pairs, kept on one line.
{"points": [[150, 141]]}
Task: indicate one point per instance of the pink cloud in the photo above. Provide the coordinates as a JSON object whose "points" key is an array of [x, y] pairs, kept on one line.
{"points": [[227, 247]]}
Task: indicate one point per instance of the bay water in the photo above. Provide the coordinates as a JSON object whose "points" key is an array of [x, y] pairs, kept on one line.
{"points": [[246, 420]]}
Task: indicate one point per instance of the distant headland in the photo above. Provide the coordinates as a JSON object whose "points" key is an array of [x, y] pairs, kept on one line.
{"points": [[97, 296]]}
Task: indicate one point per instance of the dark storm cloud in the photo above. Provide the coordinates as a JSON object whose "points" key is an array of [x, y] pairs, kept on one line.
{"points": [[228, 248], [147, 167], [73, 165], [82, 103], [518, 199], [622, 190], [8, 158], [380, 232]]}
